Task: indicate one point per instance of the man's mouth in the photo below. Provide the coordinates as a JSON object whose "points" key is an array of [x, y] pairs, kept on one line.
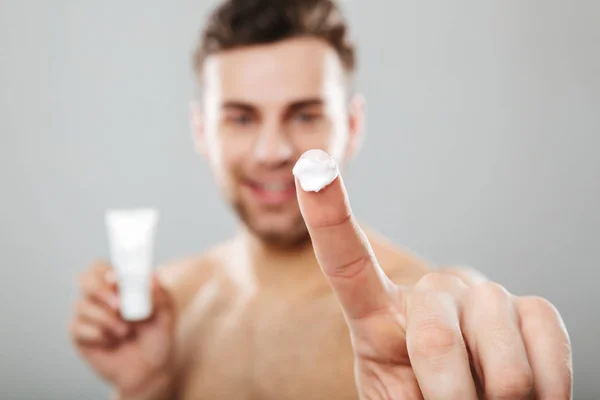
{"points": [[273, 192], [274, 187]]}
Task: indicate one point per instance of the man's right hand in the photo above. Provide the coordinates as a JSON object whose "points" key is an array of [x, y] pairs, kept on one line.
{"points": [[131, 356]]}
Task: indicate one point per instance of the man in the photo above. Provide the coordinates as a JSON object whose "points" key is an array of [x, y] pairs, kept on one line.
{"points": [[302, 303]]}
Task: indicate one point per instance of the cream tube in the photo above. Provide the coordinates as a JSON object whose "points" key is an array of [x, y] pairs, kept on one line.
{"points": [[131, 234]]}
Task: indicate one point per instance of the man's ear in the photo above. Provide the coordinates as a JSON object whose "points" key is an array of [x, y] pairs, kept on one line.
{"points": [[356, 132], [197, 127]]}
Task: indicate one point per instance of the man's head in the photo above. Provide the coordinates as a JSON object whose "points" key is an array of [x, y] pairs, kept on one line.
{"points": [[275, 78]]}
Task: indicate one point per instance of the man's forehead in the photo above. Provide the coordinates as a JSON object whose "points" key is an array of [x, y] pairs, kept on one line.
{"points": [[274, 73]]}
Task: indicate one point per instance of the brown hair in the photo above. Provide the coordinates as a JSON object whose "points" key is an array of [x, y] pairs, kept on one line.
{"points": [[240, 23]]}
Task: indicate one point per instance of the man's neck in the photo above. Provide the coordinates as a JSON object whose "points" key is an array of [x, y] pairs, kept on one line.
{"points": [[276, 266]]}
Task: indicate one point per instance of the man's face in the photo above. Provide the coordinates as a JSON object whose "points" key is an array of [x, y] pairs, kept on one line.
{"points": [[263, 106]]}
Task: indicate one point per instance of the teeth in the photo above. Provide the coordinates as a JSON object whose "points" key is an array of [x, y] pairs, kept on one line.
{"points": [[274, 187]]}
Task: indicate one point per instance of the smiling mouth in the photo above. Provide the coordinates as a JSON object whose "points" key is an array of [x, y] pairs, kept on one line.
{"points": [[273, 192], [274, 187]]}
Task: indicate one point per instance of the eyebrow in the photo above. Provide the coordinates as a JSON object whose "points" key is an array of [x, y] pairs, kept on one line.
{"points": [[237, 105], [304, 103], [293, 106]]}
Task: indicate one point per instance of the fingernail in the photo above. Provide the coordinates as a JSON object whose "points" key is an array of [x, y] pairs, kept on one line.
{"points": [[315, 170]]}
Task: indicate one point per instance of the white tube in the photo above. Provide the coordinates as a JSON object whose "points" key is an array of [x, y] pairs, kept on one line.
{"points": [[131, 234]]}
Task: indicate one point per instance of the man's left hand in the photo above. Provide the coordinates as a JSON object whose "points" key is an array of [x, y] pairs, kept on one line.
{"points": [[441, 338]]}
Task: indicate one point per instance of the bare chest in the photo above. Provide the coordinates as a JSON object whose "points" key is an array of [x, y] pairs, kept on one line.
{"points": [[268, 348]]}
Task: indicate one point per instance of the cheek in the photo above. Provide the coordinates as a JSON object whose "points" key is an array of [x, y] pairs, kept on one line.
{"points": [[235, 151]]}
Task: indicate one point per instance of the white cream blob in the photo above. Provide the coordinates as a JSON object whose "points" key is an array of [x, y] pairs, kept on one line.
{"points": [[315, 170]]}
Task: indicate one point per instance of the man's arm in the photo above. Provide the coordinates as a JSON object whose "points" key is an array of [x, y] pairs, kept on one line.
{"points": [[181, 280]]}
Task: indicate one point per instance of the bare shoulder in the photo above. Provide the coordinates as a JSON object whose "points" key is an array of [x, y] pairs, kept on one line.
{"points": [[185, 277], [401, 265], [405, 267]]}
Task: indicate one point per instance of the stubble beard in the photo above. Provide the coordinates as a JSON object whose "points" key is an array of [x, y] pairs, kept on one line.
{"points": [[295, 237]]}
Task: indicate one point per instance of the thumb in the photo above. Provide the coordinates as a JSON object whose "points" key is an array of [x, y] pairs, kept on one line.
{"points": [[162, 299]]}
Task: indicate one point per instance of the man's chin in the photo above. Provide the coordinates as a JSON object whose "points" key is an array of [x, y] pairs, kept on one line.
{"points": [[280, 229], [284, 238]]}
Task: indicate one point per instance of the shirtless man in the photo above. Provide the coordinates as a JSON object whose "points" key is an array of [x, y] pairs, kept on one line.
{"points": [[303, 304]]}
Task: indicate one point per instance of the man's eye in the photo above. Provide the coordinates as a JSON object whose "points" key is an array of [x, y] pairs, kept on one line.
{"points": [[241, 119], [306, 117]]}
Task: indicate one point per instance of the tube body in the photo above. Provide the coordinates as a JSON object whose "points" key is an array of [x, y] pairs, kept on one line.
{"points": [[131, 235]]}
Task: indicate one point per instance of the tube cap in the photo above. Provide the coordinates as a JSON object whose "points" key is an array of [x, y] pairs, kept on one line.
{"points": [[136, 305]]}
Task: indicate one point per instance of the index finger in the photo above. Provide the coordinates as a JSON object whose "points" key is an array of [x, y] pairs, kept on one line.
{"points": [[341, 247]]}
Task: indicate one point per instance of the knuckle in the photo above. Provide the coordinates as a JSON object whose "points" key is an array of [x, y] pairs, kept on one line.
{"points": [[468, 275], [539, 306], [99, 266], [538, 315], [90, 276], [489, 292], [513, 383], [436, 281], [80, 308], [87, 282], [94, 270], [433, 338]]}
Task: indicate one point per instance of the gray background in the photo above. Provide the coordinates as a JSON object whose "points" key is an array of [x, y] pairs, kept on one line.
{"points": [[484, 129]]}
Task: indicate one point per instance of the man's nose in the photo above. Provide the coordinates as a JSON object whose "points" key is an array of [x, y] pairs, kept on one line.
{"points": [[273, 148]]}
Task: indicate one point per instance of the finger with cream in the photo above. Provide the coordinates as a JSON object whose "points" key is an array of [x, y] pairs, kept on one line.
{"points": [[315, 170], [131, 234]]}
